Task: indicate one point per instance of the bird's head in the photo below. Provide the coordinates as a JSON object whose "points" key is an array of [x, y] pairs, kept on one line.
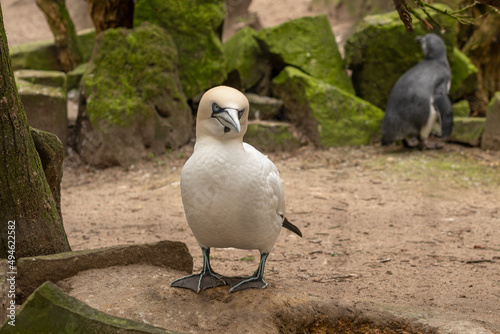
{"points": [[432, 45], [222, 113]]}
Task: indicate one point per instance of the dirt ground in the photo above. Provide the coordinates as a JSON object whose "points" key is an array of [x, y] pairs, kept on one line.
{"points": [[414, 233]]}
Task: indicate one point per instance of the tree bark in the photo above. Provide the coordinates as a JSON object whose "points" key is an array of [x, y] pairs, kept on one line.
{"points": [[64, 32], [25, 196], [482, 46], [107, 14]]}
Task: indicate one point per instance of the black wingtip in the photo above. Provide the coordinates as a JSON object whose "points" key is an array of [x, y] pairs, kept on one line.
{"points": [[291, 227]]}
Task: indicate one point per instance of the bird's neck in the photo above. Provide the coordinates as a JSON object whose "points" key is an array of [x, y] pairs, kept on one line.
{"points": [[227, 143]]}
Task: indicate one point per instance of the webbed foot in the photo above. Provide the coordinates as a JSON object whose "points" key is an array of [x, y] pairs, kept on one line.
{"points": [[249, 283], [205, 280], [199, 282]]}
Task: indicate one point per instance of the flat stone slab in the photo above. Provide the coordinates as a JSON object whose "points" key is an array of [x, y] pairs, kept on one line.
{"points": [[34, 271], [467, 130], [51, 310], [46, 78], [46, 107], [273, 136], [491, 136]]}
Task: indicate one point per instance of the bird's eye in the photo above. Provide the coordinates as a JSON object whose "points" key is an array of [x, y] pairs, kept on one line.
{"points": [[215, 107], [240, 113]]}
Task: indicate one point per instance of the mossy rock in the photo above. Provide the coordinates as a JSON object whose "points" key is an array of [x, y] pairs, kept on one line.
{"points": [[46, 108], [45, 78], [463, 76], [307, 43], [196, 28], [131, 99], [381, 50], [467, 130], [326, 114], [264, 107], [461, 108], [50, 310], [42, 55], [272, 137], [244, 58], [73, 77], [491, 136]]}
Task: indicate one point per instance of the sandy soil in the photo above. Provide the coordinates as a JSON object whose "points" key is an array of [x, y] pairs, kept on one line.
{"points": [[407, 231]]}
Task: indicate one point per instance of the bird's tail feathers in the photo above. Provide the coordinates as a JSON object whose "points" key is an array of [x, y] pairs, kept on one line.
{"points": [[291, 227]]}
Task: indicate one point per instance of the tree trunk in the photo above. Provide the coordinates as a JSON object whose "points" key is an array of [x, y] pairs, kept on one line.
{"points": [[107, 14], [482, 45], [64, 32], [25, 196]]}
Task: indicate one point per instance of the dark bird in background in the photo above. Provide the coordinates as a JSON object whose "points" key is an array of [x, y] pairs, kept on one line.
{"points": [[420, 98]]}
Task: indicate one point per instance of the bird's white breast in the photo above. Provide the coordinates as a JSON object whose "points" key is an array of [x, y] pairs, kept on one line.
{"points": [[232, 197]]}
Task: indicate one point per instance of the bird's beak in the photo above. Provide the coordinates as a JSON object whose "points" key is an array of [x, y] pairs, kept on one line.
{"points": [[229, 118]]}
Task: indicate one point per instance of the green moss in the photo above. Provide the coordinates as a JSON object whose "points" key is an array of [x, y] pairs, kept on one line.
{"points": [[42, 55], [468, 130], [129, 69], [308, 43], [271, 137], [453, 168], [74, 77], [46, 78], [461, 108], [243, 54], [195, 27], [463, 76], [86, 41], [50, 310], [341, 118], [39, 55], [381, 50]]}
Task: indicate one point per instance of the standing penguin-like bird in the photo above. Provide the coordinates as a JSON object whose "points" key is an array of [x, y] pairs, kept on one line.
{"points": [[232, 193], [420, 97]]}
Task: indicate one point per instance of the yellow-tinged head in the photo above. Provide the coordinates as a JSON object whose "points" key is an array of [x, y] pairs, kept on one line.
{"points": [[222, 113]]}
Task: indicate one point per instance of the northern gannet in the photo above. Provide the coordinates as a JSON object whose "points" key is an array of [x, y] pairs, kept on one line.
{"points": [[232, 193]]}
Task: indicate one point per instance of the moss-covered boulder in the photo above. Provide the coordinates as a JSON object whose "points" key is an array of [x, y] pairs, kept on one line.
{"points": [[196, 27], [131, 100], [46, 108], [463, 76], [42, 55], [45, 78], [467, 130], [325, 114], [50, 310], [381, 50], [264, 107], [272, 136], [245, 63], [461, 108], [73, 77], [307, 43], [491, 136]]}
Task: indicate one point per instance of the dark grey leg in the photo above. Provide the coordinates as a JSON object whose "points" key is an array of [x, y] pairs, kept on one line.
{"points": [[256, 281], [205, 280]]}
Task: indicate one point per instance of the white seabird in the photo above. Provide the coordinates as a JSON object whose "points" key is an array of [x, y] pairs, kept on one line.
{"points": [[232, 193]]}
